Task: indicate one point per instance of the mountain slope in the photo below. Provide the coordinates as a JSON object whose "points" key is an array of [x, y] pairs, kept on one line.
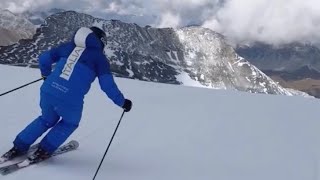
{"points": [[38, 17], [293, 63], [286, 58], [151, 54], [8, 37], [174, 132], [13, 28]]}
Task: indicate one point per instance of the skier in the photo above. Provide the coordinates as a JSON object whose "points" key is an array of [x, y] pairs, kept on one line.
{"points": [[78, 63]]}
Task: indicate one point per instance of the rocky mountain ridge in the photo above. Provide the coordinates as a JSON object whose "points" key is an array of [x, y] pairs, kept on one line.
{"points": [[152, 54]]}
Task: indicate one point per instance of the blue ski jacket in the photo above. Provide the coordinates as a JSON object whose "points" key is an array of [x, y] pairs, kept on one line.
{"points": [[78, 63]]}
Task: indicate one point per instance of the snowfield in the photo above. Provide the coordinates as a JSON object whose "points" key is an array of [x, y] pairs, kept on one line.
{"points": [[174, 133]]}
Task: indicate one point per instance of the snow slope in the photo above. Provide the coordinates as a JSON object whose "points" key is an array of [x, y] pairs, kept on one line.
{"points": [[174, 132]]}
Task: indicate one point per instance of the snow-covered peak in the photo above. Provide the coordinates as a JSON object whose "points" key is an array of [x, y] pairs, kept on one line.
{"points": [[212, 61], [206, 40], [14, 27]]}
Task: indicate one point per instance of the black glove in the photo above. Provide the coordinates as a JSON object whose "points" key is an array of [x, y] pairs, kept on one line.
{"points": [[127, 105]]}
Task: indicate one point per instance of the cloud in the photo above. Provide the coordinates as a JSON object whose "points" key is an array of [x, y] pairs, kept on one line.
{"points": [[271, 21], [243, 21], [169, 20]]}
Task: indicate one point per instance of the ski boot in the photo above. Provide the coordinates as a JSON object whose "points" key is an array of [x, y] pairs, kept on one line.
{"points": [[11, 154], [39, 155]]}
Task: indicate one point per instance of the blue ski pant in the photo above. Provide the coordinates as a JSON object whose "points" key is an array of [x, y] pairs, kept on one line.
{"points": [[60, 117]]}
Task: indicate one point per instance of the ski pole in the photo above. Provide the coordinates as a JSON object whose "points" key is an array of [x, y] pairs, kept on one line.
{"points": [[114, 133], [21, 86]]}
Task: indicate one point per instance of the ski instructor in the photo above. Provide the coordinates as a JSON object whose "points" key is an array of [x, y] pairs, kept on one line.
{"points": [[78, 63]]}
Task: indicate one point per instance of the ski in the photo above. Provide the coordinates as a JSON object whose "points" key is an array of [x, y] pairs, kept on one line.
{"points": [[70, 146], [31, 150]]}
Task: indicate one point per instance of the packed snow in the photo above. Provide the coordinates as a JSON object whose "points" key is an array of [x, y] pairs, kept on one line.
{"points": [[186, 80], [174, 132]]}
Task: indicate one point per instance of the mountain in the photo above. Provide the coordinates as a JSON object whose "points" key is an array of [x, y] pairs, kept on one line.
{"points": [[286, 58], [13, 28], [38, 17], [194, 54], [291, 62], [304, 72], [173, 132], [310, 86]]}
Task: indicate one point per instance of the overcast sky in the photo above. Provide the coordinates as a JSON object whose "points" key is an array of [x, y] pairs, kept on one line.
{"points": [[271, 21]]}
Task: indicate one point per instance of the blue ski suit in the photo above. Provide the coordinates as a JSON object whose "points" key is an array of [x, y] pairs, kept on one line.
{"points": [[78, 63]]}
